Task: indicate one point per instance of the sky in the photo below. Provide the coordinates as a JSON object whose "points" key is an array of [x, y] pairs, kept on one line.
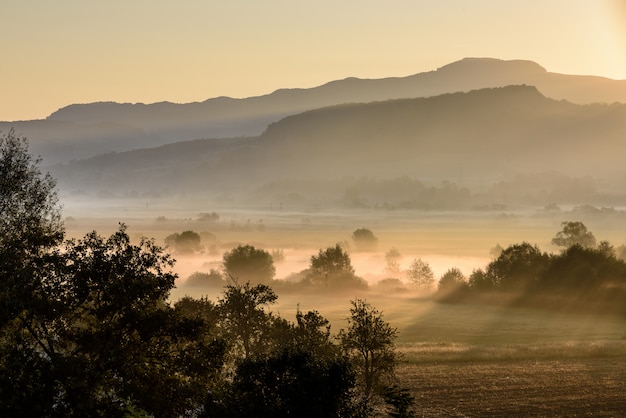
{"points": [[55, 53]]}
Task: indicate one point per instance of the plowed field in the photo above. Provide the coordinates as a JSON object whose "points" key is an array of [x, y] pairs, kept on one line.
{"points": [[546, 388]]}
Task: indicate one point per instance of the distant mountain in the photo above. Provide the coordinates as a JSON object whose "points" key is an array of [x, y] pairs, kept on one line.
{"points": [[473, 138], [83, 130]]}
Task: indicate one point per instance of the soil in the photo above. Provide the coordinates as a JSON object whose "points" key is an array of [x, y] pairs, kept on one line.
{"points": [[547, 388]]}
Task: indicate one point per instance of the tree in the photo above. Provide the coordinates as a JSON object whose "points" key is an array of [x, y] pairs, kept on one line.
{"points": [[399, 400], [574, 233], [421, 275], [369, 343], [291, 383], [30, 215], [480, 281], [312, 331], [98, 337], [187, 242], [333, 267], [364, 239], [30, 224], [243, 316], [247, 263], [584, 271], [519, 267], [452, 280], [212, 279], [392, 263]]}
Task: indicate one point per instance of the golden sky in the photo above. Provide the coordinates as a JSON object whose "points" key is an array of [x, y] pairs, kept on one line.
{"points": [[55, 53]]}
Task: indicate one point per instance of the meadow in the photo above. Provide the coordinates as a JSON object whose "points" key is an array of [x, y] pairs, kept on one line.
{"points": [[480, 359]]}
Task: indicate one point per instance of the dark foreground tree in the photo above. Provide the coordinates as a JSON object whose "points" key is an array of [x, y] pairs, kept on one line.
{"points": [[244, 318], [99, 336], [369, 343], [30, 225], [292, 383], [30, 216]]}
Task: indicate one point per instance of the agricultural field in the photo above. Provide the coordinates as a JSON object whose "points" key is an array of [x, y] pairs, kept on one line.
{"points": [[458, 360], [476, 361]]}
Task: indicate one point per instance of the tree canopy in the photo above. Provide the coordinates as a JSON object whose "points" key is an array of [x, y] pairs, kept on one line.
{"points": [[247, 263], [574, 233]]}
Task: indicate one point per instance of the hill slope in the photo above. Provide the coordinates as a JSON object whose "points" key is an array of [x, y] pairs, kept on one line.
{"points": [[472, 138], [83, 130]]}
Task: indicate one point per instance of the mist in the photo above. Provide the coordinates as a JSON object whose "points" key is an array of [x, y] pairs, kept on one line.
{"points": [[442, 204]]}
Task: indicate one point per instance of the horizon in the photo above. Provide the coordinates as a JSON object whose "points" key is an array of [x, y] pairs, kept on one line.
{"points": [[71, 53]]}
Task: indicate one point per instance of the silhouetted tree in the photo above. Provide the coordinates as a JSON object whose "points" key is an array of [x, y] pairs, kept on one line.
{"points": [[421, 275], [392, 263], [399, 400], [291, 383], [574, 233], [30, 215], [480, 281], [244, 318], [369, 343], [97, 336], [187, 242], [333, 267], [519, 267], [364, 239], [212, 279], [452, 280], [247, 263], [582, 271]]}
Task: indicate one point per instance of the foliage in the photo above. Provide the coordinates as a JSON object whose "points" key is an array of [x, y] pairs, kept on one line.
{"points": [[392, 263], [581, 270], [399, 400], [212, 279], [244, 318], [292, 383], [208, 217], [333, 268], [278, 255], [187, 242], [30, 217], [97, 332], [574, 233], [451, 280], [519, 267], [480, 281], [369, 343], [364, 239], [247, 263], [421, 275]]}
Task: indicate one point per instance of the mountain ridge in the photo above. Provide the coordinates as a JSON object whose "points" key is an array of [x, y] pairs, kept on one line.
{"points": [[147, 125], [475, 136]]}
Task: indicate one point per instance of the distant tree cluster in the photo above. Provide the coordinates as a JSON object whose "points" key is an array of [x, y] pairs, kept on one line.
{"points": [[187, 242], [585, 272], [364, 239]]}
